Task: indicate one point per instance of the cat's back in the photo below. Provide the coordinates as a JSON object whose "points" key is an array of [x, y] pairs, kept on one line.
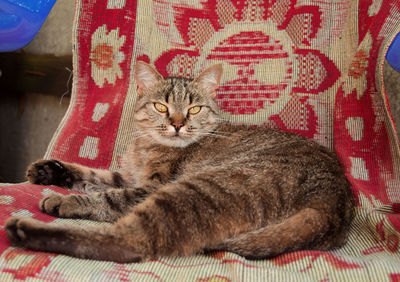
{"points": [[232, 140], [262, 152], [266, 162]]}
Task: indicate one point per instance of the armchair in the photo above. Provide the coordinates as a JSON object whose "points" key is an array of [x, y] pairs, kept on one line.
{"points": [[309, 67]]}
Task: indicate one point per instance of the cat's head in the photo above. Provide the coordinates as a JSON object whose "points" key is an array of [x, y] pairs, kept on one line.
{"points": [[176, 111]]}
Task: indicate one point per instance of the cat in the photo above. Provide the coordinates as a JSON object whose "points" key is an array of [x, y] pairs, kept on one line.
{"points": [[191, 183]]}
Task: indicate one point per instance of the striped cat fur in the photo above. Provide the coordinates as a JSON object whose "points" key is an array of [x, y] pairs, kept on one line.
{"points": [[191, 183]]}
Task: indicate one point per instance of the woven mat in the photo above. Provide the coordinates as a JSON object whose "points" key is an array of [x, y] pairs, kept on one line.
{"points": [[309, 67]]}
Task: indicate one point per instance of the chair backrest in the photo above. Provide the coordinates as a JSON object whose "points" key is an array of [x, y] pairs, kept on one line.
{"points": [[309, 67]]}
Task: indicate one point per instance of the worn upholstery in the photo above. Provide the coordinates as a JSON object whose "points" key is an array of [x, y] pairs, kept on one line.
{"points": [[313, 67]]}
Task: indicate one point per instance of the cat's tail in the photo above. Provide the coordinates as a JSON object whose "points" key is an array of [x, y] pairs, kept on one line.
{"points": [[306, 229]]}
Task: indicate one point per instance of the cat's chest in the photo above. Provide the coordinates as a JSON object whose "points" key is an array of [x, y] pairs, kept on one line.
{"points": [[144, 162], [137, 163]]}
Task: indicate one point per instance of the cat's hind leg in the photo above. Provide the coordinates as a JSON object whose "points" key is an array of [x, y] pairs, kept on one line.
{"points": [[92, 242], [74, 176], [101, 206]]}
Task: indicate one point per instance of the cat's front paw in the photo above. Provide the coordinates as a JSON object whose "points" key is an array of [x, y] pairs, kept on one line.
{"points": [[60, 206], [19, 229], [49, 172]]}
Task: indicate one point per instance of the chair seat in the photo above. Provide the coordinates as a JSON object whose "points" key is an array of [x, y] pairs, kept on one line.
{"points": [[371, 258]]}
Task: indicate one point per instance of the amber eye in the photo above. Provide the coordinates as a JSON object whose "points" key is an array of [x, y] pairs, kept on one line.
{"points": [[194, 110], [160, 107]]}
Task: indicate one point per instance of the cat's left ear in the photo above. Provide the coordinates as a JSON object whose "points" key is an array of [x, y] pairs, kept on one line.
{"points": [[209, 79]]}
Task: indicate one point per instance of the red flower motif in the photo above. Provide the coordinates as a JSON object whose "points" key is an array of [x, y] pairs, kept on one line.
{"points": [[394, 277], [389, 241], [102, 56], [359, 64], [32, 268], [333, 260], [214, 278]]}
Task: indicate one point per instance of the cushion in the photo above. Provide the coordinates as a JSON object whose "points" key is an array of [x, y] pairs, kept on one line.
{"points": [[309, 67]]}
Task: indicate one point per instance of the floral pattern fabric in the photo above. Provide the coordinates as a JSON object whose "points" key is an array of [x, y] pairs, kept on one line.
{"points": [[305, 66]]}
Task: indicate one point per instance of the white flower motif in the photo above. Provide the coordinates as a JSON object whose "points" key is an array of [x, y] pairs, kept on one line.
{"points": [[6, 200], [115, 4], [105, 55], [22, 212], [358, 168], [100, 111], [355, 127], [89, 148]]}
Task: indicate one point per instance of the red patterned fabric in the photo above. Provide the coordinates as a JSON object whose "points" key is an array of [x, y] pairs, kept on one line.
{"points": [[305, 66]]}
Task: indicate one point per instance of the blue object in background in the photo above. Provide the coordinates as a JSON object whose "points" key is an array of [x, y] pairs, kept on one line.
{"points": [[20, 20], [393, 54]]}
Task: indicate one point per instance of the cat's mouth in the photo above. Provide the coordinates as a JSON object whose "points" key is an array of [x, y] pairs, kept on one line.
{"points": [[178, 139], [177, 135], [181, 138]]}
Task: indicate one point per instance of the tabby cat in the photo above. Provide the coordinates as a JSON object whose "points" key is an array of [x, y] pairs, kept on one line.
{"points": [[191, 183]]}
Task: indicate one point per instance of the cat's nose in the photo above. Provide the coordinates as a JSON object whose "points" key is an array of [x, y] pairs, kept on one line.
{"points": [[177, 125]]}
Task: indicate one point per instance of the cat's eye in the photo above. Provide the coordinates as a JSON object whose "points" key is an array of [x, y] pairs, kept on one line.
{"points": [[194, 110], [160, 107]]}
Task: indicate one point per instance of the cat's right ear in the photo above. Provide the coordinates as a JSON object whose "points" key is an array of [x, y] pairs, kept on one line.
{"points": [[209, 79], [146, 77]]}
